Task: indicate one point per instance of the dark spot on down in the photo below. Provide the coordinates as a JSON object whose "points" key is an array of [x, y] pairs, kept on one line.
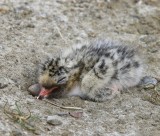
{"points": [[136, 64], [104, 70], [119, 50], [122, 57], [130, 54], [102, 64], [127, 66], [50, 63], [61, 68], [51, 74], [100, 52], [107, 54], [96, 74], [115, 75], [112, 57], [123, 50], [43, 67], [57, 61], [115, 63], [83, 48]]}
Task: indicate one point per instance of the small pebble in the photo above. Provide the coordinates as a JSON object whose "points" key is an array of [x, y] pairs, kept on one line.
{"points": [[62, 114], [76, 114], [148, 82], [34, 89], [53, 121], [30, 25], [36, 132]]}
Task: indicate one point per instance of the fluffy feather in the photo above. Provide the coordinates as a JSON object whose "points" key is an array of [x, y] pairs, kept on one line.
{"points": [[95, 71]]}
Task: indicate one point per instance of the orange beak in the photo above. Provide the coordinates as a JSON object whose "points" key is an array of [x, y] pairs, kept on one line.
{"points": [[44, 93]]}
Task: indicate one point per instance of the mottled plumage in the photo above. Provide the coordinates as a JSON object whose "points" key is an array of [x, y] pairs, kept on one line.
{"points": [[96, 71]]}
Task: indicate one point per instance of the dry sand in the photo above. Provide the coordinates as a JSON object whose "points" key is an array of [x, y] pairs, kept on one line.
{"points": [[30, 30]]}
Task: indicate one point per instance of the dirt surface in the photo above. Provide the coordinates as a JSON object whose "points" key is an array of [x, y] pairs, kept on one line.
{"points": [[30, 30]]}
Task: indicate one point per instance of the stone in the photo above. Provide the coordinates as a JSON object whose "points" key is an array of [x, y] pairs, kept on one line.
{"points": [[76, 114], [148, 82], [34, 89], [52, 120]]}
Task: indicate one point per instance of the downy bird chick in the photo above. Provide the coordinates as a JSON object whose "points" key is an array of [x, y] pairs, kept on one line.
{"points": [[96, 71]]}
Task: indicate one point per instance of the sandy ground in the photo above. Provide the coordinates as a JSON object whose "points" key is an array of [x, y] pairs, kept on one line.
{"points": [[30, 30]]}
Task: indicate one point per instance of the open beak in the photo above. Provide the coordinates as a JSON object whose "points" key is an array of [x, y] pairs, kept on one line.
{"points": [[44, 93]]}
